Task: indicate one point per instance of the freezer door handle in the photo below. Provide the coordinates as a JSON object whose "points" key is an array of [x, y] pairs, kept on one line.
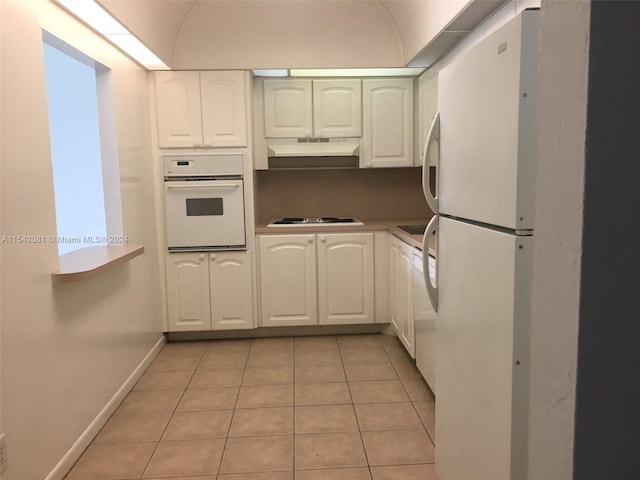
{"points": [[432, 137], [432, 290]]}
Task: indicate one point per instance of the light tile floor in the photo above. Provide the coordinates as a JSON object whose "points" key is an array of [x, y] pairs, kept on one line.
{"points": [[346, 407]]}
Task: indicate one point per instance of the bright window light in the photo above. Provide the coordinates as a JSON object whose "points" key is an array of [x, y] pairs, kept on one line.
{"points": [[356, 72], [101, 21]]}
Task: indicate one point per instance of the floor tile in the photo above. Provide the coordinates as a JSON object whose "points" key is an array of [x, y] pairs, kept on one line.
{"points": [[186, 458], [168, 360], [218, 377], [365, 340], [112, 461], [198, 425], [151, 401], [407, 370], [310, 358], [255, 476], [325, 419], [322, 394], [163, 381], [251, 422], [319, 373], [427, 413], [270, 358], [363, 355], [405, 472], [360, 473], [398, 447], [199, 477], [258, 454], [418, 391], [229, 346], [187, 348], [265, 396], [387, 416], [375, 371], [329, 450], [316, 343], [268, 375], [133, 427], [378, 392], [272, 344], [215, 359], [221, 398]]}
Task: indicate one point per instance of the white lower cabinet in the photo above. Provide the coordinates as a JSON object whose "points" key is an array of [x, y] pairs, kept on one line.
{"points": [[323, 279], [209, 291], [402, 294]]}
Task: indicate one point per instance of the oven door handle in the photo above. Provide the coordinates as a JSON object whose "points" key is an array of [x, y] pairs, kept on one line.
{"points": [[209, 186]]}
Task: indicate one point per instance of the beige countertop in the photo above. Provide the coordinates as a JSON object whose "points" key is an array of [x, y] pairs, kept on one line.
{"points": [[390, 225]]}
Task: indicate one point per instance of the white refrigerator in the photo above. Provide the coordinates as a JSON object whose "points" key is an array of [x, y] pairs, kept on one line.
{"points": [[485, 133]]}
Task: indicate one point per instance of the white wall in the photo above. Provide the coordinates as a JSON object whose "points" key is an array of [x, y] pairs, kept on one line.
{"points": [[66, 349], [562, 110]]}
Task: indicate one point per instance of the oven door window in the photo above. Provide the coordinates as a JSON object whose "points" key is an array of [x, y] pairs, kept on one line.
{"points": [[199, 207]]}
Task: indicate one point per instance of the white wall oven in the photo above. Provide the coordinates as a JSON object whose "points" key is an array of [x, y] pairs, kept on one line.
{"points": [[204, 202]]}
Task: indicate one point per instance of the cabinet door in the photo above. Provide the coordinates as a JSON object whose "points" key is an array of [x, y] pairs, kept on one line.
{"points": [[405, 299], [345, 278], [427, 108], [224, 113], [395, 284], [231, 290], [288, 288], [387, 112], [178, 109], [337, 108], [188, 291], [287, 108]]}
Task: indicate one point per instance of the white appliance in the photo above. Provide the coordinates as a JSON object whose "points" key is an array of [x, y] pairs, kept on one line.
{"points": [[486, 136], [424, 317], [204, 202]]}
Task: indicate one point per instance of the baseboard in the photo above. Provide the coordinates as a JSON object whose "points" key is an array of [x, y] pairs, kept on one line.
{"points": [[279, 332], [76, 450]]}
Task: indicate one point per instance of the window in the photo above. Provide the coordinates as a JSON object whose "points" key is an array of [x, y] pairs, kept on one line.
{"points": [[82, 138]]}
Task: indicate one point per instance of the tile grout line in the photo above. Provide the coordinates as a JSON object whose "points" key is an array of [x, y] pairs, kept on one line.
{"points": [[157, 444]]}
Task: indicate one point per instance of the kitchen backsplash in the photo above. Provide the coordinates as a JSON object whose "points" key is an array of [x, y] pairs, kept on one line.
{"points": [[369, 194]]}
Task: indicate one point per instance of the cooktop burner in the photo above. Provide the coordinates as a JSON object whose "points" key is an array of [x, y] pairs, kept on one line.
{"points": [[301, 221]]}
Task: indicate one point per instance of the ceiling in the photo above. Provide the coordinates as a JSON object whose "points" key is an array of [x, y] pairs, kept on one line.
{"points": [[248, 34]]}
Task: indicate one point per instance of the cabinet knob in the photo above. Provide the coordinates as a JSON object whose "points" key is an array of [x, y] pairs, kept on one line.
{"points": [[323, 238], [196, 144], [202, 257], [212, 256], [310, 239]]}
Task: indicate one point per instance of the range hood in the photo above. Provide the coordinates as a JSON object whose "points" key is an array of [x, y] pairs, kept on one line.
{"points": [[313, 152]]}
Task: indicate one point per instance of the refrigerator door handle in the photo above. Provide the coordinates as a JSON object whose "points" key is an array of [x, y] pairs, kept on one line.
{"points": [[432, 290], [432, 137]]}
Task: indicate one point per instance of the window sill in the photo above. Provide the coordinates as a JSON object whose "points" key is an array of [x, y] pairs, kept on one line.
{"points": [[89, 262]]}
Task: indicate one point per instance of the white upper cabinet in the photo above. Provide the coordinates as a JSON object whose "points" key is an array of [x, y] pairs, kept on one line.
{"points": [[201, 109], [179, 109], [288, 111], [427, 104], [387, 133], [337, 108], [312, 108], [224, 117]]}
